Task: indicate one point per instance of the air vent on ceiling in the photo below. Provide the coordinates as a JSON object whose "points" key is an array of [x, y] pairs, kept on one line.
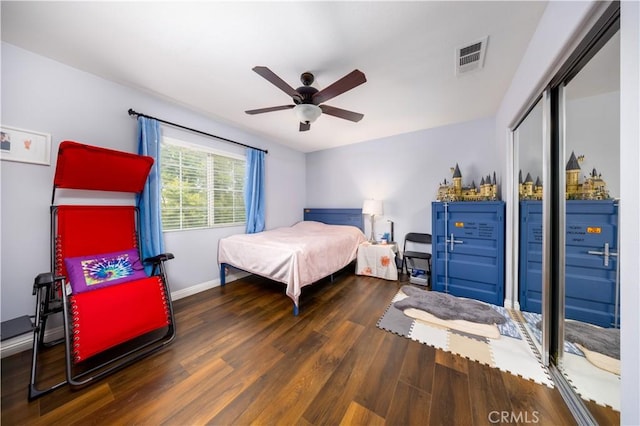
{"points": [[470, 57]]}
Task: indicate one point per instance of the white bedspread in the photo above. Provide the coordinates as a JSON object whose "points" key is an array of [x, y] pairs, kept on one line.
{"points": [[297, 255]]}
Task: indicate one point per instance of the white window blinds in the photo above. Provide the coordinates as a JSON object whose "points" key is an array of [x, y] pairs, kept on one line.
{"points": [[200, 188]]}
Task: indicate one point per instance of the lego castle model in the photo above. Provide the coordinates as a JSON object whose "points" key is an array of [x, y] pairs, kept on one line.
{"points": [[592, 188], [529, 190], [454, 191]]}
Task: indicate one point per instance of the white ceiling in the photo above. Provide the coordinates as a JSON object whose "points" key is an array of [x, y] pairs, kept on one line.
{"points": [[200, 55]]}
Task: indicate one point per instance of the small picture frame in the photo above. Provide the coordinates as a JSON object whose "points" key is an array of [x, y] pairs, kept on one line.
{"points": [[25, 146]]}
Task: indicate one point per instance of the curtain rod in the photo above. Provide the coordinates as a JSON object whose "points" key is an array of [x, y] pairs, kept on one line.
{"points": [[132, 112]]}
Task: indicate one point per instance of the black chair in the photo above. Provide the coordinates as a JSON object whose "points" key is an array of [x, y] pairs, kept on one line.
{"points": [[416, 241]]}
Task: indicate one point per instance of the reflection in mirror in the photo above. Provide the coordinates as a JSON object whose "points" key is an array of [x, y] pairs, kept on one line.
{"points": [[528, 139], [591, 357]]}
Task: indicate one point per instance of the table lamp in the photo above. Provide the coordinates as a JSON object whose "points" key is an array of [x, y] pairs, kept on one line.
{"points": [[372, 208]]}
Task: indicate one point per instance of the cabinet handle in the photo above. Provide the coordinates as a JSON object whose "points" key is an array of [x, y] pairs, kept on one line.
{"points": [[605, 253], [453, 241]]}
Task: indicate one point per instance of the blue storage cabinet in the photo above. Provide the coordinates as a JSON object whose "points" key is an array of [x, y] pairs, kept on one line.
{"points": [[591, 285], [468, 249], [530, 253]]}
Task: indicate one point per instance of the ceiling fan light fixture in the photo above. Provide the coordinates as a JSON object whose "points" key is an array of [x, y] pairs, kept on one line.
{"points": [[307, 98], [307, 113]]}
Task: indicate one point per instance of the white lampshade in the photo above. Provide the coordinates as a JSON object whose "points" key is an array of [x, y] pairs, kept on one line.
{"points": [[372, 207], [307, 113]]}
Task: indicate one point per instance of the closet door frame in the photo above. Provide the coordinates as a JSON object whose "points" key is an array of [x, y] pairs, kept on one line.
{"points": [[554, 197], [605, 28]]}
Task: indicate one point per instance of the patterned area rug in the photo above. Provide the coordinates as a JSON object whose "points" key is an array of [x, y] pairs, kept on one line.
{"points": [[511, 352]]}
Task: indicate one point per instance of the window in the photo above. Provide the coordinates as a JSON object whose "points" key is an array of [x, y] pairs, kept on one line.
{"points": [[201, 188]]}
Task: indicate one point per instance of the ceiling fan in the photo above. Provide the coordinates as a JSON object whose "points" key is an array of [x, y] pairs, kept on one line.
{"points": [[307, 99]]}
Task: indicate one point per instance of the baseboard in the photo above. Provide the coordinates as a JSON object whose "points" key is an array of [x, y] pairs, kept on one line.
{"points": [[194, 289], [198, 288], [25, 342]]}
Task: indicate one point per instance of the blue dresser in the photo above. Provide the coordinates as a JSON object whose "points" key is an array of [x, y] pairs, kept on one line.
{"points": [[468, 249], [591, 286]]}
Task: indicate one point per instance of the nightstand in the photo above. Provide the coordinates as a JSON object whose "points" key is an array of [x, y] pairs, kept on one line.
{"points": [[377, 260]]}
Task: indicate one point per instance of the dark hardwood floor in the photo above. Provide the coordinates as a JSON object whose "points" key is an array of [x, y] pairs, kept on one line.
{"points": [[241, 357]]}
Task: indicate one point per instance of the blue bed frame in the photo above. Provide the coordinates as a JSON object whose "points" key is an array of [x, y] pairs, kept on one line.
{"points": [[351, 217]]}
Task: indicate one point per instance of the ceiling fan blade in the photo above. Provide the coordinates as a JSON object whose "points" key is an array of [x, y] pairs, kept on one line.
{"points": [[341, 113], [277, 81], [348, 82], [305, 126], [275, 108]]}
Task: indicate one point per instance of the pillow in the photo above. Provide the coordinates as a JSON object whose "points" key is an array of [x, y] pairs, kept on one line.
{"points": [[310, 225], [101, 270]]}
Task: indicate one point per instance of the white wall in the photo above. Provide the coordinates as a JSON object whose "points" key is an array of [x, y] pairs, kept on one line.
{"points": [[404, 171], [43, 95]]}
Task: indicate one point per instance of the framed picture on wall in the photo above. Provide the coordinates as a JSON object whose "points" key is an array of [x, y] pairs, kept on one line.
{"points": [[25, 146]]}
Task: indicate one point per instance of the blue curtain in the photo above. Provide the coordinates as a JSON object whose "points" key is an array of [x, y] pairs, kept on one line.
{"points": [[149, 200], [254, 191]]}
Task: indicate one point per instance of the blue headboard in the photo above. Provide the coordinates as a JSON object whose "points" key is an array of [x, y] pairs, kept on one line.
{"points": [[351, 217]]}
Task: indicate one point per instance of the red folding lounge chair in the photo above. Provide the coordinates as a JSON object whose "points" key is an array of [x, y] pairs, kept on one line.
{"points": [[112, 313]]}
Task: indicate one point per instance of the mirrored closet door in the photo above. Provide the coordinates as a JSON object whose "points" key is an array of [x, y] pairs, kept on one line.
{"points": [[590, 139], [566, 157], [528, 149]]}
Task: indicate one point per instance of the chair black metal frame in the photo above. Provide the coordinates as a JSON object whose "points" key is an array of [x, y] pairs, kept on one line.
{"points": [[416, 238]]}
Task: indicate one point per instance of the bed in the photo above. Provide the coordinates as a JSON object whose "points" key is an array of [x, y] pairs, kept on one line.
{"points": [[325, 242]]}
